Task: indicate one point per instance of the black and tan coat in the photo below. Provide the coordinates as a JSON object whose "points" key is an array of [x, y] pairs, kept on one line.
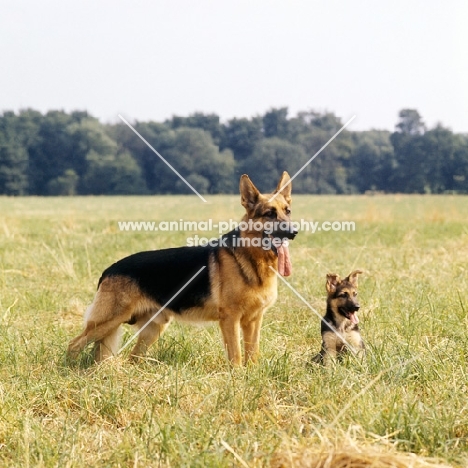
{"points": [[235, 287], [339, 327]]}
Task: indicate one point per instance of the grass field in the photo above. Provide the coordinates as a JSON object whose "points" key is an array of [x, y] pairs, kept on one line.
{"points": [[183, 405]]}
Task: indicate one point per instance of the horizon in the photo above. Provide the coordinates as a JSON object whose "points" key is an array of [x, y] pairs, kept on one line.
{"points": [[118, 121]]}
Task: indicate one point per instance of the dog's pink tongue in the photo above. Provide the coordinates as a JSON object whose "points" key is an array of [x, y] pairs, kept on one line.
{"points": [[354, 318], [284, 261]]}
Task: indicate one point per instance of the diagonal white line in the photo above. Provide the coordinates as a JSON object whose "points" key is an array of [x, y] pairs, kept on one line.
{"points": [[161, 309], [337, 333], [313, 157], [168, 164]]}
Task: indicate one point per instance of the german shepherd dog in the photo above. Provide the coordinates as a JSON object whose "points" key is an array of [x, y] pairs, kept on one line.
{"points": [[341, 317], [235, 288]]}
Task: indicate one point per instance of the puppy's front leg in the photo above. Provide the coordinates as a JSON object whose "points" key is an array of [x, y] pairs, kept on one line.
{"points": [[329, 350]]}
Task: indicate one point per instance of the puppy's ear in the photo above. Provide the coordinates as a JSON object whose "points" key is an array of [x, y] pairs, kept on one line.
{"points": [[286, 190], [353, 277], [249, 193], [333, 280]]}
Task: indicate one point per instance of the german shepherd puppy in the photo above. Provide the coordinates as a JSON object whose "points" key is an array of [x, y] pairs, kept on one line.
{"points": [[339, 327], [235, 288]]}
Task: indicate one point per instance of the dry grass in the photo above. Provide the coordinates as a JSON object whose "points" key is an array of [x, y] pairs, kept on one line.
{"points": [[183, 405], [353, 449]]}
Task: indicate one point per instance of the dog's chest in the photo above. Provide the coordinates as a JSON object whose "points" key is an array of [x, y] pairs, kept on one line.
{"points": [[268, 295], [260, 297], [352, 336]]}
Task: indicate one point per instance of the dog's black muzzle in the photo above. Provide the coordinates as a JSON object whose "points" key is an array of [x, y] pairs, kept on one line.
{"points": [[289, 233], [350, 308]]}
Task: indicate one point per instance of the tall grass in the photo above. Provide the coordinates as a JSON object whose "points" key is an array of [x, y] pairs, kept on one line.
{"points": [[183, 405]]}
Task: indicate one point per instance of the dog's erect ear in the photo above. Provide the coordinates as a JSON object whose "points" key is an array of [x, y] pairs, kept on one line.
{"points": [[353, 277], [333, 281], [286, 192], [248, 191]]}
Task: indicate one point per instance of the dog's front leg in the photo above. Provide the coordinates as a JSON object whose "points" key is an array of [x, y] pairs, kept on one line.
{"points": [[251, 333], [230, 328], [329, 348]]}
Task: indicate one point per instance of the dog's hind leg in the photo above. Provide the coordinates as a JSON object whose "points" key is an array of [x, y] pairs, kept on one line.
{"points": [[102, 321], [94, 332], [148, 332], [108, 346]]}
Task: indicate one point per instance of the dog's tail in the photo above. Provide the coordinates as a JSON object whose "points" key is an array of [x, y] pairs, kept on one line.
{"points": [[88, 313]]}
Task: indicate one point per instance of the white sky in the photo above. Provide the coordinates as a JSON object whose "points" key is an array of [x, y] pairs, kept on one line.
{"points": [[149, 60]]}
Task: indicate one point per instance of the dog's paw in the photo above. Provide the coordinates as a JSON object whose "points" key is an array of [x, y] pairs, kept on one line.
{"points": [[75, 347], [317, 359]]}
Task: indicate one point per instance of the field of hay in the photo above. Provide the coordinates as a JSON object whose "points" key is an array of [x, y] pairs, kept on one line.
{"points": [[183, 405]]}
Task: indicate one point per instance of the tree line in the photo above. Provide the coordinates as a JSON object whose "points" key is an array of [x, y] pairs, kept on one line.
{"points": [[61, 153]]}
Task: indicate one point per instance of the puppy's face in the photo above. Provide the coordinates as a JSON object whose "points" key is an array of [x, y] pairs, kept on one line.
{"points": [[343, 295]]}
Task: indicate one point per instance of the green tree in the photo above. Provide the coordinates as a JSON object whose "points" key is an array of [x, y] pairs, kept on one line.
{"points": [[49, 156], [190, 151], [410, 122], [328, 172], [13, 157], [160, 137], [64, 185], [67, 153], [372, 161], [194, 153], [276, 124], [113, 175], [13, 168], [457, 171], [198, 182], [208, 122], [326, 121], [242, 135], [412, 169], [446, 157], [270, 158], [86, 135]]}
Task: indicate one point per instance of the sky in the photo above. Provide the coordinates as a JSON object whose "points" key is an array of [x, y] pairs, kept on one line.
{"points": [[150, 60]]}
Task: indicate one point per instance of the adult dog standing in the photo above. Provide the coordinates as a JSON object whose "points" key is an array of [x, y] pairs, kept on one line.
{"points": [[235, 288]]}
